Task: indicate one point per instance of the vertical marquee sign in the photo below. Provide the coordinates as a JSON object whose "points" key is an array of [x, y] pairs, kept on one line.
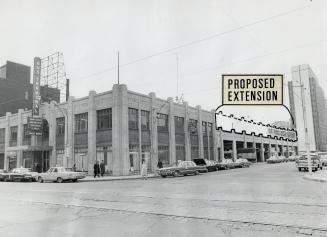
{"points": [[36, 86], [35, 122]]}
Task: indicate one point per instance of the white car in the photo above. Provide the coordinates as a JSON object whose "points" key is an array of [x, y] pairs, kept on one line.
{"points": [[60, 174], [26, 171]]}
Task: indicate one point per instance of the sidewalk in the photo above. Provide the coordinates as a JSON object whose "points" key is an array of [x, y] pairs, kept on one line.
{"points": [[319, 176], [90, 178]]}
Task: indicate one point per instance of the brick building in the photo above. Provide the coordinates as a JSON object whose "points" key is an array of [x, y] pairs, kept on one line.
{"points": [[16, 91]]}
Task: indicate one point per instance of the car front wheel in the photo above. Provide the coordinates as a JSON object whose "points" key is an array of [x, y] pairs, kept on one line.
{"points": [[40, 180], [196, 172], [59, 180]]}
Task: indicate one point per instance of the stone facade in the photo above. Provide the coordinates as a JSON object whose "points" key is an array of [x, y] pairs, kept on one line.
{"points": [[119, 127]]}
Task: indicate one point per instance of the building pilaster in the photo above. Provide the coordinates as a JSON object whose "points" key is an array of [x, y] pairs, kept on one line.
{"points": [[154, 132], [52, 133], [120, 142], [214, 136], [171, 127], [200, 134], [91, 134], [7, 138], [187, 133], [70, 153], [20, 131]]}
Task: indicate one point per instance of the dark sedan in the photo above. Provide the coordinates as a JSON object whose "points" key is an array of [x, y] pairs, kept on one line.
{"points": [[15, 177], [210, 165], [183, 168]]}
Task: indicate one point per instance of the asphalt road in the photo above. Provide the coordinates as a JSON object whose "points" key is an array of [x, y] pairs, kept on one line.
{"points": [[263, 200]]}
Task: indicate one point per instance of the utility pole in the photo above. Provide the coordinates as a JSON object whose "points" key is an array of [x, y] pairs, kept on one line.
{"points": [[118, 67], [307, 142]]}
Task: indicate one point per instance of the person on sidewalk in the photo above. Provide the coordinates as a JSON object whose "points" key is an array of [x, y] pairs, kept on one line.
{"points": [[102, 168], [96, 169], [159, 165], [144, 170]]}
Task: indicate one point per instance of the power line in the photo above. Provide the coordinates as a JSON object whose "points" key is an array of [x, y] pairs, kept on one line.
{"points": [[199, 40]]}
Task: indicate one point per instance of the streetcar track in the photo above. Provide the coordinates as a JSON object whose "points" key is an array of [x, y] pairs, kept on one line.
{"points": [[230, 221]]}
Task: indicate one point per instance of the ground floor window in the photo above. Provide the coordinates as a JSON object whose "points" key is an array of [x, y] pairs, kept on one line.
{"points": [[27, 159], [163, 154], [134, 158], [2, 161], [180, 153], [81, 159], [205, 152], [212, 156], [60, 158], [194, 152], [146, 155], [104, 153]]}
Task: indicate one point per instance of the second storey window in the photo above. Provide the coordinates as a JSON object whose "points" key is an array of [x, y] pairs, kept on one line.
{"points": [[2, 135], [104, 119], [204, 128], [132, 118], [145, 119], [193, 126], [162, 122], [80, 123], [60, 128], [179, 124], [26, 134], [13, 133]]}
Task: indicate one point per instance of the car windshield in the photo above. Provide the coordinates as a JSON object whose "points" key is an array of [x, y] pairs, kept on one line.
{"points": [[68, 169]]}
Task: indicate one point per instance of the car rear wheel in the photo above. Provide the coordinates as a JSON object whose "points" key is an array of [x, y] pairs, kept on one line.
{"points": [[40, 180], [59, 180], [196, 172], [175, 174], [164, 176]]}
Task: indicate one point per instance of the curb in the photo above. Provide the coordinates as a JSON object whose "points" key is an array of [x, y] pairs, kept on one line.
{"points": [[315, 179], [113, 179]]}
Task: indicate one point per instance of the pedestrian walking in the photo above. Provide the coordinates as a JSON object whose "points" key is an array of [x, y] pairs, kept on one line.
{"points": [[102, 168], [144, 170], [159, 165], [74, 167], [96, 169]]}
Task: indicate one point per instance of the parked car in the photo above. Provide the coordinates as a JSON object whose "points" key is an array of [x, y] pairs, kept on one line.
{"points": [[273, 160], [60, 174], [291, 158], [303, 164], [14, 177], [242, 163], [26, 171], [210, 165], [226, 164], [323, 158], [183, 168], [281, 159]]}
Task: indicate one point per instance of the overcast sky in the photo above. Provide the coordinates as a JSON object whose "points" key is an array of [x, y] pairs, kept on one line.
{"points": [[89, 34]]}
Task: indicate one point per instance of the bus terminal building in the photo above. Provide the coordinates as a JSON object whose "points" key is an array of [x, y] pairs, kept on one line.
{"points": [[122, 128]]}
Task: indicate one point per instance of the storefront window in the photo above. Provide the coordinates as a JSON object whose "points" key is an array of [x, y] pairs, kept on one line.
{"points": [[163, 154]]}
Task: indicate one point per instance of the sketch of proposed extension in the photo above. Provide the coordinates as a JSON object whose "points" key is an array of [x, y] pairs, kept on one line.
{"points": [[253, 104]]}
